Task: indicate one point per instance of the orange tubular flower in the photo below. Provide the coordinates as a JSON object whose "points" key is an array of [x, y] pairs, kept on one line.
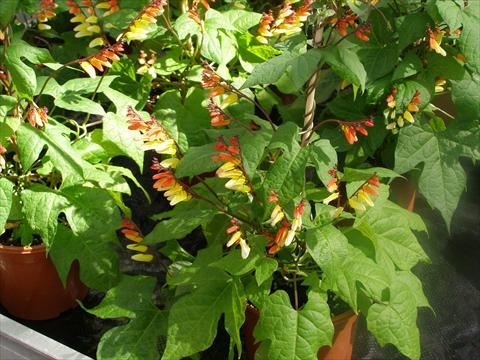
{"points": [[350, 129], [435, 39], [288, 22], [231, 168], [391, 112], [217, 116], [142, 24], [348, 20], [361, 199], [132, 233], [46, 11], [103, 58], [37, 117]]}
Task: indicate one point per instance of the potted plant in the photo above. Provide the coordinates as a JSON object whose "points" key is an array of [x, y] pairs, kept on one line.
{"points": [[278, 134], [59, 193]]}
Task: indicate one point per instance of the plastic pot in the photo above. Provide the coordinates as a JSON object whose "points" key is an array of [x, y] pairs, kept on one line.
{"points": [[342, 344], [30, 287]]}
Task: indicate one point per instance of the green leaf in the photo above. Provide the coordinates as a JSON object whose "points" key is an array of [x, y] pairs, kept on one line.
{"points": [[128, 298], [193, 319], [71, 100], [31, 141], [184, 119], [445, 66], [395, 321], [450, 12], [412, 27], [287, 334], [184, 26], [466, 97], [285, 137], [410, 65], [252, 149], [7, 11], [88, 85], [301, 65], [98, 261], [23, 76], [6, 197], [387, 226], [238, 20], [346, 64], [344, 265], [197, 160], [442, 179], [324, 158], [469, 39], [139, 339], [379, 61], [184, 218], [93, 214], [119, 140], [350, 174], [415, 287], [286, 176], [41, 208], [6, 103]]}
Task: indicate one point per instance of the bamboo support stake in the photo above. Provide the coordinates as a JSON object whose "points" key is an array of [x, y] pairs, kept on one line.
{"points": [[310, 103]]}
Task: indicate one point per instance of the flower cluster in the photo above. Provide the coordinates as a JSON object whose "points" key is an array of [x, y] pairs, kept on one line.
{"points": [[101, 59], [211, 80], [390, 112], [165, 180], [45, 12], [287, 230], [132, 233], [218, 117], [155, 137], [147, 65], [37, 116], [111, 7], [361, 197], [288, 22], [232, 165], [238, 237], [350, 129], [88, 24], [195, 15], [435, 40], [348, 20], [141, 26], [332, 187]]}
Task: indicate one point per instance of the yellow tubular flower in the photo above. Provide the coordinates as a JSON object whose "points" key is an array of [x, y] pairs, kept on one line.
{"points": [[277, 215], [137, 247], [245, 249], [236, 235], [290, 237], [170, 163], [330, 198], [238, 185], [408, 116], [142, 257], [354, 204], [362, 195], [89, 69]]}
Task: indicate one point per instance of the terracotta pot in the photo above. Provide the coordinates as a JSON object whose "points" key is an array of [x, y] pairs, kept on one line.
{"points": [[30, 287], [342, 344]]}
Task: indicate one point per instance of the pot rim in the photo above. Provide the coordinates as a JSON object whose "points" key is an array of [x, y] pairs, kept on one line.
{"points": [[23, 249]]}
